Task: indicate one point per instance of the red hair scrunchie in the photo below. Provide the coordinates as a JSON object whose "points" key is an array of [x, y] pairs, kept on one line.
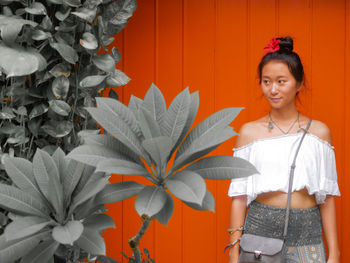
{"points": [[272, 46]]}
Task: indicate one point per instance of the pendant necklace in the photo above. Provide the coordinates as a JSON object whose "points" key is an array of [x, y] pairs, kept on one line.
{"points": [[272, 124]]}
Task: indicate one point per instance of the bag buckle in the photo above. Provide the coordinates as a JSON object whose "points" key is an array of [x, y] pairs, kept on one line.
{"points": [[257, 254]]}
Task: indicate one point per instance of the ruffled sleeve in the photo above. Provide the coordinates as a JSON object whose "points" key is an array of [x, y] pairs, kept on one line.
{"points": [[241, 186]]}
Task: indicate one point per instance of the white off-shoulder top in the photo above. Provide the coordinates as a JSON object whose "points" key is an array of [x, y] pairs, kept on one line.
{"points": [[315, 167]]}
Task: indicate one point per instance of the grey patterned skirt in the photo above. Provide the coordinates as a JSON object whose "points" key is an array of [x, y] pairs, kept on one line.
{"points": [[304, 242]]}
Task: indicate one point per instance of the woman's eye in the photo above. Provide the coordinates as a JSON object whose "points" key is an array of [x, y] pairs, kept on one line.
{"points": [[282, 81], [266, 81]]}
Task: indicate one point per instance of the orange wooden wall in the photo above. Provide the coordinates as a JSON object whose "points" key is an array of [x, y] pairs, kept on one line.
{"points": [[214, 46]]}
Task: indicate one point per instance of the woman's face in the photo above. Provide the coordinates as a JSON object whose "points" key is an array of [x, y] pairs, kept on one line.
{"points": [[279, 85]]}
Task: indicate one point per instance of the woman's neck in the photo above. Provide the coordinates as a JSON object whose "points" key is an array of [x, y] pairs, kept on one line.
{"points": [[285, 115]]}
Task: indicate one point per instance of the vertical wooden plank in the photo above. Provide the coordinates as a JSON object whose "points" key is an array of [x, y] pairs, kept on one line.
{"points": [[262, 28], [114, 237], [199, 39], [300, 32], [231, 85], [169, 78], [139, 65], [328, 76], [345, 183]]}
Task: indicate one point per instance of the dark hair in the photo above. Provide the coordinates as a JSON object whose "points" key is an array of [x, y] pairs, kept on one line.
{"points": [[286, 55]]}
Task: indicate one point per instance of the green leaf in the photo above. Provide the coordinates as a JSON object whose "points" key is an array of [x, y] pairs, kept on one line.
{"points": [[117, 78], [14, 199], [25, 226], [187, 186], [59, 70], [72, 3], [115, 54], [44, 167], [116, 192], [42, 253], [7, 113], [67, 52], [176, 116], [38, 110], [89, 41], [17, 61], [60, 87], [86, 13], [36, 8], [119, 166], [99, 222], [222, 167], [207, 204], [71, 179], [92, 81], [164, 215], [118, 109], [92, 242], [117, 128], [134, 104], [21, 173], [60, 107], [11, 26], [63, 14], [194, 105], [149, 126], [68, 233], [59, 158], [55, 196], [159, 148], [93, 154], [15, 249], [104, 62], [40, 35], [57, 129], [150, 200], [154, 102], [90, 189]]}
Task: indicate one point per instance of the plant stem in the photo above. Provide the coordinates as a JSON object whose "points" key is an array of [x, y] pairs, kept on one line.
{"points": [[135, 241]]}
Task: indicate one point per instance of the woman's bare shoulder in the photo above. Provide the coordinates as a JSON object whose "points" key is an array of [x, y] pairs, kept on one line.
{"points": [[248, 133], [321, 130]]}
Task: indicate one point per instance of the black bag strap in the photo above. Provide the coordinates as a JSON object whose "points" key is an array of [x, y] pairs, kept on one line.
{"points": [[291, 177]]}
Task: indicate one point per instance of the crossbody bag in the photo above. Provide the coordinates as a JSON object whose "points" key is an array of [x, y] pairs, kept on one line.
{"points": [[261, 249]]}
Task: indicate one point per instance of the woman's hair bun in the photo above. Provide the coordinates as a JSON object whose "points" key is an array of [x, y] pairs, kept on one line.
{"points": [[286, 43]]}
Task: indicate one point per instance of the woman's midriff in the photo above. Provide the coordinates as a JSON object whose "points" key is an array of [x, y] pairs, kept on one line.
{"points": [[300, 199]]}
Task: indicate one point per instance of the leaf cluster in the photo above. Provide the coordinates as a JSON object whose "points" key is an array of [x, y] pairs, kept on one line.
{"points": [[56, 207], [142, 139]]}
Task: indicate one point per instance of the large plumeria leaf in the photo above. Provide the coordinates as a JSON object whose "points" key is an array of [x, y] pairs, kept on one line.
{"points": [[59, 158], [44, 167], [154, 102], [117, 192], [222, 167], [15, 249], [118, 166], [25, 226], [56, 196], [92, 242], [148, 125], [71, 178], [119, 109], [150, 201], [116, 127], [207, 204], [68, 233], [17, 61], [21, 173], [176, 116], [14, 199], [164, 215], [93, 154], [187, 186], [42, 253], [159, 148], [134, 104], [99, 222]]}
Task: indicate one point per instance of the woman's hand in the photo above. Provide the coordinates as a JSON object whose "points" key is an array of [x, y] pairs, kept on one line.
{"points": [[331, 260], [234, 254]]}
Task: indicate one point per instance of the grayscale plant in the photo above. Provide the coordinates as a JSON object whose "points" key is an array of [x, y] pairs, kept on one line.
{"points": [[57, 208], [141, 138]]}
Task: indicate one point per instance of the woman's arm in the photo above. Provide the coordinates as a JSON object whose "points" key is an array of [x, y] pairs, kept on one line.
{"points": [[329, 224], [237, 215]]}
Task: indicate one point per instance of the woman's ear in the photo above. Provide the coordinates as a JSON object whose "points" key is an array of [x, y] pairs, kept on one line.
{"points": [[300, 85]]}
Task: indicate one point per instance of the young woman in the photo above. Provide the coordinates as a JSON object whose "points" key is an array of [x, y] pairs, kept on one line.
{"points": [[270, 144]]}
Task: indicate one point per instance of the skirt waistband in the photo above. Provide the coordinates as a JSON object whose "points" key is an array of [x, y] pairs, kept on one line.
{"points": [[304, 227]]}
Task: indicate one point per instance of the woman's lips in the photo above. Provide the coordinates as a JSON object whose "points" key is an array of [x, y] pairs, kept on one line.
{"points": [[275, 99]]}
